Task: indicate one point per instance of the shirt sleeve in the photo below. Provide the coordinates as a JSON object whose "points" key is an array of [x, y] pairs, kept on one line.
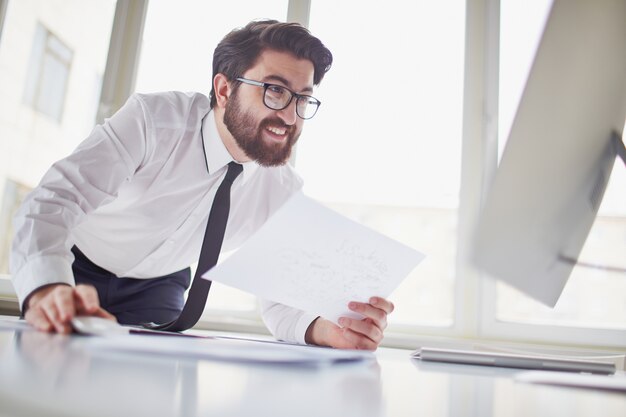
{"points": [[69, 190], [286, 323]]}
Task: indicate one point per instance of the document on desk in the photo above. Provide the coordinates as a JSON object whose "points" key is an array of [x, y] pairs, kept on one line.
{"points": [[228, 349], [314, 259]]}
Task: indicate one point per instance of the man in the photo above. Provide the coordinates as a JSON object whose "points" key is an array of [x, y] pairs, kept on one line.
{"points": [[111, 229]]}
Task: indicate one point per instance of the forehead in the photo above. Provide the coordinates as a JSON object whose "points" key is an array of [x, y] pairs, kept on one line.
{"points": [[297, 72]]}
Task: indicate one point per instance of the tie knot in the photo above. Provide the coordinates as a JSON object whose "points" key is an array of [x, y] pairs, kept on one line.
{"points": [[234, 169]]}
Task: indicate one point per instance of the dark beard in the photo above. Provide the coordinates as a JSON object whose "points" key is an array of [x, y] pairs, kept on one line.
{"points": [[242, 126]]}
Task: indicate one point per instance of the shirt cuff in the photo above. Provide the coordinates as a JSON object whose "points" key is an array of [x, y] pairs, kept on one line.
{"points": [[39, 272], [302, 325]]}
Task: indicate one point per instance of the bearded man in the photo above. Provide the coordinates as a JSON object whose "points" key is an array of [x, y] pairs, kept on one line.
{"points": [[112, 228]]}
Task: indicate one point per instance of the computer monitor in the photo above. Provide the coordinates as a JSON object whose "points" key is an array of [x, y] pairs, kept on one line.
{"points": [[560, 152]]}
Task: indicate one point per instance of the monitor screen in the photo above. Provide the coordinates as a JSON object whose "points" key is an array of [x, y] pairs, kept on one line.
{"points": [[560, 152]]}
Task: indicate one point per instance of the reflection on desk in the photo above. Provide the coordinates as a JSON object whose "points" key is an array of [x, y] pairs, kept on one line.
{"points": [[44, 374]]}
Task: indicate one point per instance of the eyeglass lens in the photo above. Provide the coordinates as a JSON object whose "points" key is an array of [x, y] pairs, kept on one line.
{"points": [[277, 98]]}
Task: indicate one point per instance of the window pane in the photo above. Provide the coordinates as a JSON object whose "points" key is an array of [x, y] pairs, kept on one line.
{"points": [[50, 97], [385, 146], [180, 36], [48, 71], [30, 141], [180, 58], [592, 298]]}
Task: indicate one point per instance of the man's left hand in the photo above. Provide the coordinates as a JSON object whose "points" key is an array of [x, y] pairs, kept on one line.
{"points": [[366, 333]]}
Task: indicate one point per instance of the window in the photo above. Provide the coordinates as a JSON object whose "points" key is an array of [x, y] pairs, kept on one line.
{"points": [[52, 57], [385, 146], [180, 59], [48, 72]]}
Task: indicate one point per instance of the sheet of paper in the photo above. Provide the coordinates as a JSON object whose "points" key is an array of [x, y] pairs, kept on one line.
{"points": [[237, 350], [312, 258]]}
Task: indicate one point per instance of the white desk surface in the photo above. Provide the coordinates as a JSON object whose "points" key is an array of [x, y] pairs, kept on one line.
{"points": [[54, 375]]}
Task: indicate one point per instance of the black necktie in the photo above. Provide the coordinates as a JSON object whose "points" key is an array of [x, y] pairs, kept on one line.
{"points": [[211, 245]]}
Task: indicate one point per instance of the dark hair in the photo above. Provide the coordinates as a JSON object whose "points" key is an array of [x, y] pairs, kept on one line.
{"points": [[240, 49]]}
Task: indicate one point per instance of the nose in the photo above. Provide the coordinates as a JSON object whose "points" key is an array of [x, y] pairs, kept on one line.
{"points": [[288, 114]]}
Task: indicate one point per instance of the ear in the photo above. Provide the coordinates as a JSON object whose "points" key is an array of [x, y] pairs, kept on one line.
{"points": [[222, 89]]}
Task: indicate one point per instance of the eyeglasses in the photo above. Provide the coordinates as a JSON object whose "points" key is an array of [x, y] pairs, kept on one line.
{"points": [[277, 97]]}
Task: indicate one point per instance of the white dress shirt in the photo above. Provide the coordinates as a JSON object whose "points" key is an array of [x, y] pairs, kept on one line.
{"points": [[135, 198]]}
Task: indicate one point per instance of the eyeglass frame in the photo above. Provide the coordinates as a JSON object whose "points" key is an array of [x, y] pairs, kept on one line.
{"points": [[265, 86]]}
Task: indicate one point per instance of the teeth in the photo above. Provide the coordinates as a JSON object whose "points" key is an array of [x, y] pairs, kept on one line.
{"points": [[277, 130]]}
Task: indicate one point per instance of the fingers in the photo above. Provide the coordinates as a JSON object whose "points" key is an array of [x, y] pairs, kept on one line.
{"points": [[86, 298], [62, 300], [57, 324], [54, 307], [36, 318], [329, 334], [367, 333], [59, 309], [376, 310], [363, 327], [88, 302], [358, 340], [383, 304], [53, 311]]}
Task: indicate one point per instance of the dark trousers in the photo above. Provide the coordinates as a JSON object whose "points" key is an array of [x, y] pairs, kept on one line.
{"points": [[132, 300]]}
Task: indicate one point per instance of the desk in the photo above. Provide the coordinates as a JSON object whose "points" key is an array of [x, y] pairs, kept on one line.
{"points": [[54, 375]]}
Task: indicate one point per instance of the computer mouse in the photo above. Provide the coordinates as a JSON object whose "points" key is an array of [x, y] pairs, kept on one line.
{"points": [[97, 326]]}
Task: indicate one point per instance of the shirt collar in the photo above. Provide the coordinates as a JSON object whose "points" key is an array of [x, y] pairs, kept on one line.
{"points": [[215, 152]]}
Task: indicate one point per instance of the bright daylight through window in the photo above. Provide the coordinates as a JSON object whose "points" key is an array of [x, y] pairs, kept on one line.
{"points": [[51, 67], [385, 147]]}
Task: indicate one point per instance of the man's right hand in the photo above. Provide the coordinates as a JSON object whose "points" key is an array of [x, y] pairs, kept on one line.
{"points": [[52, 308]]}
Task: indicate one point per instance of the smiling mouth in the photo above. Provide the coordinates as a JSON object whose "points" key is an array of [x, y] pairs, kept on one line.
{"points": [[277, 133], [277, 130]]}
